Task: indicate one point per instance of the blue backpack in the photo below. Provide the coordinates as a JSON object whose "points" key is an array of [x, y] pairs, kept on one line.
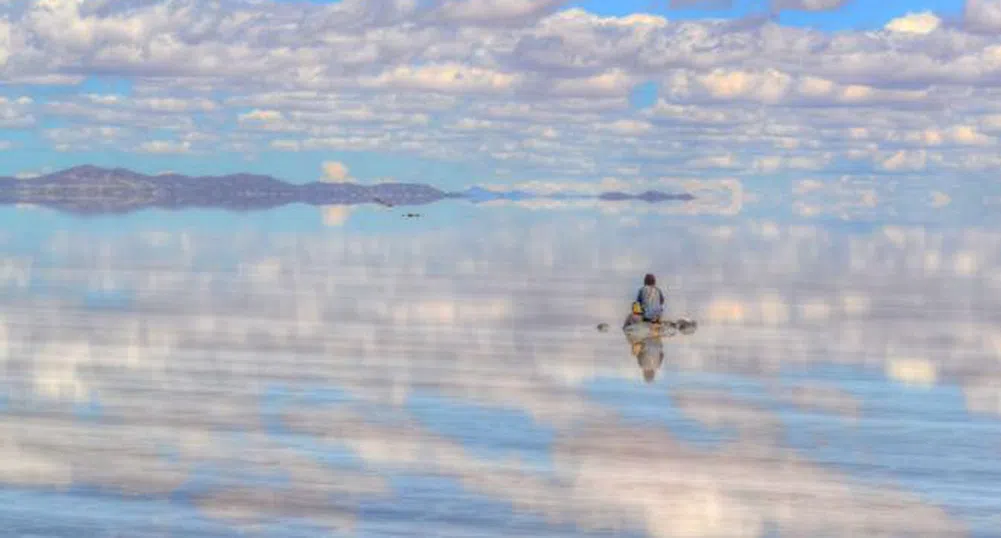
{"points": [[651, 305]]}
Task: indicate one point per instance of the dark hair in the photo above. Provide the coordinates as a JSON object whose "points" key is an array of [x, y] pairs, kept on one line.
{"points": [[649, 280]]}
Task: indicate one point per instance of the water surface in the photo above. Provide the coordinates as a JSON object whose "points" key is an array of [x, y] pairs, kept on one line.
{"points": [[349, 372]]}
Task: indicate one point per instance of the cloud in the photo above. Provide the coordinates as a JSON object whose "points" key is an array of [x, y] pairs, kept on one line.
{"points": [[628, 127], [924, 22], [982, 15], [963, 135], [85, 136], [336, 215], [774, 6], [197, 364], [727, 160], [940, 199], [31, 174], [114, 110], [4, 42], [773, 87], [261, 115], [492, 12], [165, 146], [809, 5], [772, 163], [446, 78], [335, 172], [16, 113], [489, 83], [699, 4], [904, 160]]}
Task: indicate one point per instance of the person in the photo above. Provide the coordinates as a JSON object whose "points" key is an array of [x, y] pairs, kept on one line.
{"points": [[650, 300]]}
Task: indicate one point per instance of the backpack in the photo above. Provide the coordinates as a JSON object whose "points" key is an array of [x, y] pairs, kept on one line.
{"points": [[653, 307]]}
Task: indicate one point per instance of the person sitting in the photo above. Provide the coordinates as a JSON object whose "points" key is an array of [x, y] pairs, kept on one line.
{"points": [[650, 300]]}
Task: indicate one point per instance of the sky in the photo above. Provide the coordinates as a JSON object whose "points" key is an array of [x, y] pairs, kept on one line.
{"points": [[459, 92]]}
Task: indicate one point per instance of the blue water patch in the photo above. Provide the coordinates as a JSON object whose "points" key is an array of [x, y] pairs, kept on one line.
{"points": [[113, 299], [487, 432], [90, 410], [205, 478], [441, 507], [278, 398], [652, 405], [290, 528], [921, 439], [736, 386], [168, 453], [38, 227], [326, 395], [29, 513]]}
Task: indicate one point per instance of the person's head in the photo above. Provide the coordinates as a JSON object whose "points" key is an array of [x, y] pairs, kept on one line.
{"points": [[649, 280]]}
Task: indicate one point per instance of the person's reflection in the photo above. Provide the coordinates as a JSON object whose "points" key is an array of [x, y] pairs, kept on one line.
{"points": [[649, 353], [647, 342]]}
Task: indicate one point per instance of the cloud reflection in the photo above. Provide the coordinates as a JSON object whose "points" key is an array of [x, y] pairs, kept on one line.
{"points": [[496, 317]]}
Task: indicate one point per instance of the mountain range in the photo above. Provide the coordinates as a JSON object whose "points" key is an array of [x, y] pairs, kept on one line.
{"points": [[94, 190]]}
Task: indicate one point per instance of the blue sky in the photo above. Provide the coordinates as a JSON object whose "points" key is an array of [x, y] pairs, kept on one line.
{"points": [[852, 15], [476, 91]]}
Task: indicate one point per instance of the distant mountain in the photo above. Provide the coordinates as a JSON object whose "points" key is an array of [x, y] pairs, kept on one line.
{"points": [[95, 190], [91, 189], [480, 194]]}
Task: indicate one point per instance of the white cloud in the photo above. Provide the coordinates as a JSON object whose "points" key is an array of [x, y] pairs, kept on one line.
{"points": [[492, 82], [727, 491], [85, 135], [286, 145], [173, 104], [4, 42], [772, 163], [904, 160], [982, 15], [628, 127], [727, 160], [614, 82], [492, 12], [165, 146], [473, 124], [335, 172], [16, 113], [769, 86], [940, 199], [810, 5], [449, 77], [957, 134], [336, 215], [924, 22]]}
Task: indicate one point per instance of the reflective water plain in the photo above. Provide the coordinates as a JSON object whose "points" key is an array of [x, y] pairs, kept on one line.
{"points": [[348, 372]]}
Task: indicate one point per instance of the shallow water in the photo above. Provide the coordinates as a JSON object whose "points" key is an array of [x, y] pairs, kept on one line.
{"points": [[350, 372]]}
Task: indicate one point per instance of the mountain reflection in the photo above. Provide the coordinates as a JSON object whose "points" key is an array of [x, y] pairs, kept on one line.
{"points": [[260, 376]]}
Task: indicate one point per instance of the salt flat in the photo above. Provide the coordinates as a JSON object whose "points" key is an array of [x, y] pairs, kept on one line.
{"points": [[352, 373]]}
